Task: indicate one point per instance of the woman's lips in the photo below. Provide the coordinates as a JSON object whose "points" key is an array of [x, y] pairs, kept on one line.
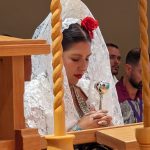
{"points": [[79, 76]]}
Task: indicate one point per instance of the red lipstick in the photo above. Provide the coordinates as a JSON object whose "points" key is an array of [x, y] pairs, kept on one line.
{"points": [[79, 76]]}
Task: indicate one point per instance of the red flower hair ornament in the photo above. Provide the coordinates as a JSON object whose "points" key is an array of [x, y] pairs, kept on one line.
{"points": [[90, 25]]}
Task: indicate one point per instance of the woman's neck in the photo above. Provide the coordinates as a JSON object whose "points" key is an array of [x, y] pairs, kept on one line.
{"points": [[71, 85]]}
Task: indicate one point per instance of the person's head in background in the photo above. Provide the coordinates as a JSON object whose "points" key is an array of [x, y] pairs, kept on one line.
{"points": [[133, 70], [76, 52], [115, 57]]}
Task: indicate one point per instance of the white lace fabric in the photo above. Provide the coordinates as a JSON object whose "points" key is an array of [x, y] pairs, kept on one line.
{"points": [[38, 97], [68, 21]]}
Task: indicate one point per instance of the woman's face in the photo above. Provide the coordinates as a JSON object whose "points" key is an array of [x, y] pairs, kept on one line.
{"points": [[76, 61]]}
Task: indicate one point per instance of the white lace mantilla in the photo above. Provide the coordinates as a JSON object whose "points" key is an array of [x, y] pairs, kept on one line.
{"points": [[39, 92]]}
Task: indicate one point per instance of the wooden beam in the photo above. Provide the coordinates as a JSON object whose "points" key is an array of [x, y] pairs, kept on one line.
{"points": [[24, 49], [120, 138], [87, 136], [27, 139], [7, 145]]}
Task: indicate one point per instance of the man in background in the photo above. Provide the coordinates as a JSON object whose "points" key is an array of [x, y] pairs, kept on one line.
{"points": [[115, 58], [129, 89]]}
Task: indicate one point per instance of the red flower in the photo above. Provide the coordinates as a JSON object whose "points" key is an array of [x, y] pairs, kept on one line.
{"points": [[89, 24]]}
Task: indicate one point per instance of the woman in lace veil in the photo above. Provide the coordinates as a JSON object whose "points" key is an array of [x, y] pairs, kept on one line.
{"points": [[39, 92]]}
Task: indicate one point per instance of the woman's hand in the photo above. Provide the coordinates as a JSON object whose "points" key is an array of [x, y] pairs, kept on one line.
{"points": [[95, 119]]}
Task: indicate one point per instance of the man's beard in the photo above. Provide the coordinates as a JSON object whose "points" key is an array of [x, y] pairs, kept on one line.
{"points": [[115, 71], [134, 83]]}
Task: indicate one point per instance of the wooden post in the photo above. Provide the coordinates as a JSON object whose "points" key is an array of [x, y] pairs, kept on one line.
{"points": [[57, 51], [11, 95], [143, 134], [60, 140]]}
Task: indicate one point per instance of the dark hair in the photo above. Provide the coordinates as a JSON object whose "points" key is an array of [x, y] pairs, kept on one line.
{"points": [[112, 45], [74, 34], [133, 56]]}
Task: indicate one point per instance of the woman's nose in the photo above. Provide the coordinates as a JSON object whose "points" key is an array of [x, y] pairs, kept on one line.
{"points": [[83, 65]]}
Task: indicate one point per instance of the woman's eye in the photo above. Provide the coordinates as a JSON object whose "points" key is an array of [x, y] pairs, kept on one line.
{"points": [[73, 59], [87, 59]]}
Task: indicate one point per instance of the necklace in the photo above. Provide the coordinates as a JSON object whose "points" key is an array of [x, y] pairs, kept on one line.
{"points": [[80, 103]]}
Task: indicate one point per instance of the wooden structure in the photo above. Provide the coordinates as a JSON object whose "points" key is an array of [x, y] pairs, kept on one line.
{"points": [[118, 137], [13, 133]]}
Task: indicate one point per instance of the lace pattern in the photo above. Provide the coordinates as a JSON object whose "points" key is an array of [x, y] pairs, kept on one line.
{"points": [[39, 92]]}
